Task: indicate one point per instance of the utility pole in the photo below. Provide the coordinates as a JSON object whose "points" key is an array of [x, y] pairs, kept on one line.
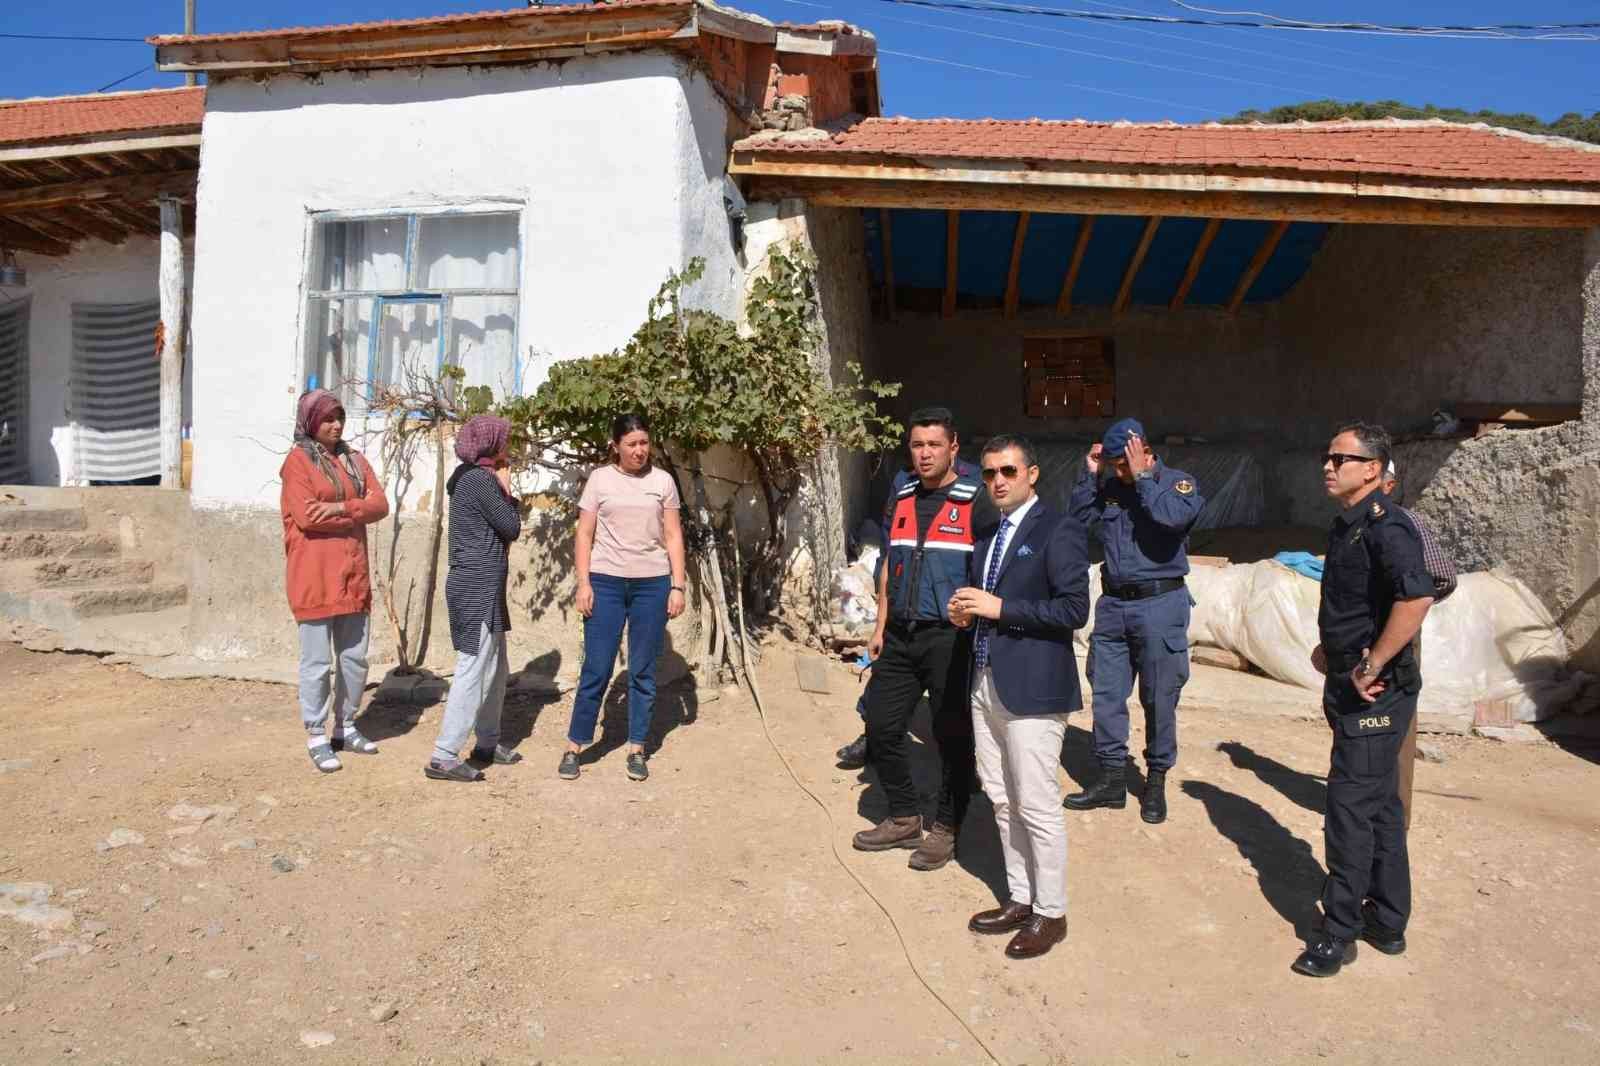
{"points": [[188, 29]]}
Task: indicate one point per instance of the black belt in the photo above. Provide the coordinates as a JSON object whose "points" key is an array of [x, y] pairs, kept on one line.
{"points": [[1143, 590], [913, 625]]}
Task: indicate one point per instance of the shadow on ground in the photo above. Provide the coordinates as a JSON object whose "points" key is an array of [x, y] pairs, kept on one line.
{"points": [[1288, 873]]}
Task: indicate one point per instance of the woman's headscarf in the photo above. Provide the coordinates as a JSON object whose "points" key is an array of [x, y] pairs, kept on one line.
{"points": [[317, 407], [481, 439]]}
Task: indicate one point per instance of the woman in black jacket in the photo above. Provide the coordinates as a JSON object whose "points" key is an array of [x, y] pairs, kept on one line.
{"points": [[484, 521]]}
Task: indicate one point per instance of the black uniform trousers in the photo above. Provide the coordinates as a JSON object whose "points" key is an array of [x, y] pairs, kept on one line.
{"points": [[920, 657], [1365, 827]]}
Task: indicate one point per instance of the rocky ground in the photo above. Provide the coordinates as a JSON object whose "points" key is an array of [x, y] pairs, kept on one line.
{"points": [[181, 886]]}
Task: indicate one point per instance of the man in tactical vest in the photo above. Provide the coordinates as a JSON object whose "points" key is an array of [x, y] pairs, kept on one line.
{"points": [[916, 648]]}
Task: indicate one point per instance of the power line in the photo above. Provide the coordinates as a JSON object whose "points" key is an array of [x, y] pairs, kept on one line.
{"points": [[126, 77], [69, 37], [1485, 33], [1054, 81], [1142, 47], [1085, 52]]}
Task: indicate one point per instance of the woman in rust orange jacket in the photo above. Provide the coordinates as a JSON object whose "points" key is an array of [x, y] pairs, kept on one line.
{"points": [[330, 496]]}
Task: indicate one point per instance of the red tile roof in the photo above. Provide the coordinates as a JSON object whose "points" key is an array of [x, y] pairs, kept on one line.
{"points": [[504, 15], [1391, 147], [63, 117]]}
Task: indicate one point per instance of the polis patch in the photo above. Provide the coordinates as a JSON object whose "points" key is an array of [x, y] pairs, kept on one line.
{"points": [[1368, 723]]}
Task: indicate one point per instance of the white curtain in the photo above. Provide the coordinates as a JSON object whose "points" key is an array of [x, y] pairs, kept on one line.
{"points": [[467, 252], [483, 334], [363, 255]]}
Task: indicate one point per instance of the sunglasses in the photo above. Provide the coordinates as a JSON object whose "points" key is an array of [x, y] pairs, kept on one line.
{"points": [[1338, 459], [1008, 472]]}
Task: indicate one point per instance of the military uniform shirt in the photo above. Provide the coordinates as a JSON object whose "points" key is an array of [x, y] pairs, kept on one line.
{"points": [[1143, 526], [1374, 558]]}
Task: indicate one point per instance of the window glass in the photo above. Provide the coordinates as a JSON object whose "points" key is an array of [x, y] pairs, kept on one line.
{"points": [[483, 335], [362, 255], [338, 345], [467, 252], [408, 344]]}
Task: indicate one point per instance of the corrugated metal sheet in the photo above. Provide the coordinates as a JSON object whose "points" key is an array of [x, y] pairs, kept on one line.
{"points": [[116, 391]]}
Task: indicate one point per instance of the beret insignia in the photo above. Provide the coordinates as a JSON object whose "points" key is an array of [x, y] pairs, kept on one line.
{"points": [[1184, 487]]}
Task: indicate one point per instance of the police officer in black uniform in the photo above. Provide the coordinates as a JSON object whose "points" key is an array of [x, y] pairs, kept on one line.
{"points": [[1376, 590], [916, 648]]}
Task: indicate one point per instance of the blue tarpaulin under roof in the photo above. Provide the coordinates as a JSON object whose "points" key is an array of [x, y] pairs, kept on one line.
{"points": [[985, 239]]}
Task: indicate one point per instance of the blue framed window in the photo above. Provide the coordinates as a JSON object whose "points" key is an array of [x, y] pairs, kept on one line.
{"points": [[394, 296]]}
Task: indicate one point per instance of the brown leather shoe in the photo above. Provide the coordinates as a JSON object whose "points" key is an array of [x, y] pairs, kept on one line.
{"points": [[938, 848], [1002, 919], [891, 833], [1037, 937]]}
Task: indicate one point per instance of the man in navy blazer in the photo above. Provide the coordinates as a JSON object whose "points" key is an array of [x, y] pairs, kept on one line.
{"points": [[1027, 590]]}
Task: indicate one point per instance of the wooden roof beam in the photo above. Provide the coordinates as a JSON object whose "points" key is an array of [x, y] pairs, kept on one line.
{"points": [[132, 217], [19, 237], [952, 259], [1079, 247], [1125, 293], [93, 224], [1257, 263], [1014, 275], [888, 262], [1196, 261], [1271, 207], [66, 193]]}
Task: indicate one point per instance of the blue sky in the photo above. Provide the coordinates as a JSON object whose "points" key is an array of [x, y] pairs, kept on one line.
{"points": [[1049, 68]]}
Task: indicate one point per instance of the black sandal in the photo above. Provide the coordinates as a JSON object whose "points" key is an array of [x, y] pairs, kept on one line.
{"points": [[455, 771]]}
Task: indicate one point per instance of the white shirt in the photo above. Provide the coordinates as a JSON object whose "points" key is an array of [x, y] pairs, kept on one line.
{"points": [[1015, 518]]}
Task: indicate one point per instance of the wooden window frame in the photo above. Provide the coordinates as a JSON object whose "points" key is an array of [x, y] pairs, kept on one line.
{"points": [[1059, 384]]}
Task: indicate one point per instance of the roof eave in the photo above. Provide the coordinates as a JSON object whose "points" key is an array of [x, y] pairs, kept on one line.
{"points": [[1204, 192], [519, 38], [503, 40]]}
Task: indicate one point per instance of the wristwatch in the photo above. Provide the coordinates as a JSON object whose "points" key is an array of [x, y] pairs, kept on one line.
{"points": [[1144, 475]]}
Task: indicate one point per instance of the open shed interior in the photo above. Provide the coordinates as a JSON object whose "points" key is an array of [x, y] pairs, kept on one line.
{"points": [[1240, 344]]}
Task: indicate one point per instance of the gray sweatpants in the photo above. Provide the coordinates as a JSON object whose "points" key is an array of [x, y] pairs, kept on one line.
{"points": [[477, 696], [342, 637]]}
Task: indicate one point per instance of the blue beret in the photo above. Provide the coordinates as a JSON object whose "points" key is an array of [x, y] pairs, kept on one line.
{"points": [[1115, 442]]}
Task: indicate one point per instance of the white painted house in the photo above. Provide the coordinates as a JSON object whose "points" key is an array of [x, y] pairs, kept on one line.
{"points": [[494, 191]]}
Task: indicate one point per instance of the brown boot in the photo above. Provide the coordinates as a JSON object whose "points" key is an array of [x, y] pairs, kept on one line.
{"points": [[891, 833], [938, 848]]}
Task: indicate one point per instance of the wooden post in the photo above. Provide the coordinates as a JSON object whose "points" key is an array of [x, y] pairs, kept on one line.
{"points": [[173, 298], [888, 263]]}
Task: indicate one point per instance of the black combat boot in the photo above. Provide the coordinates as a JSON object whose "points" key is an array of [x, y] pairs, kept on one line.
{"points": [[1110, 791], [853, 756], [1153, 804]]}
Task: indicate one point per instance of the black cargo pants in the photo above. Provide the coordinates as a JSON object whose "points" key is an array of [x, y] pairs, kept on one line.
{"points": [[918, 657]]}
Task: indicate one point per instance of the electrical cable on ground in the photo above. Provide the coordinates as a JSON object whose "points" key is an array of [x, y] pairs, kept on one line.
{"points": [[833, 830]]}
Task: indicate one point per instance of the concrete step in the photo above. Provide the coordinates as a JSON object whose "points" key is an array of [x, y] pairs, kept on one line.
{"points": [[38, 544], [51, 519], [99, 601], [63, 609], [79, 573]]}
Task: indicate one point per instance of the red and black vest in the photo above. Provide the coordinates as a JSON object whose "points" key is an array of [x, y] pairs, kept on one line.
{"points": [[927, 566]]}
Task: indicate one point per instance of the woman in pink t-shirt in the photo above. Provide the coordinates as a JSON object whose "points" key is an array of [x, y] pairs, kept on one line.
{"points": [[630, 572]]}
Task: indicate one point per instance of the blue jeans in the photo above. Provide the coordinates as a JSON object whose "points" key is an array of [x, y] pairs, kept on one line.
{"points": [[641, 603]]}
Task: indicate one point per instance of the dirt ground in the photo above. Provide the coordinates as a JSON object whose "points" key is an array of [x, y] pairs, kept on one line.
{"points": [[263, 908]]}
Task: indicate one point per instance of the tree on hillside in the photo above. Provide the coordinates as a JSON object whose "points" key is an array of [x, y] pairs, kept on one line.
{"points": [[1572, 124]]}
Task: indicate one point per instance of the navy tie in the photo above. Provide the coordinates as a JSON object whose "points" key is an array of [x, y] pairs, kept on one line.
{"points": [[985, 627]]}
